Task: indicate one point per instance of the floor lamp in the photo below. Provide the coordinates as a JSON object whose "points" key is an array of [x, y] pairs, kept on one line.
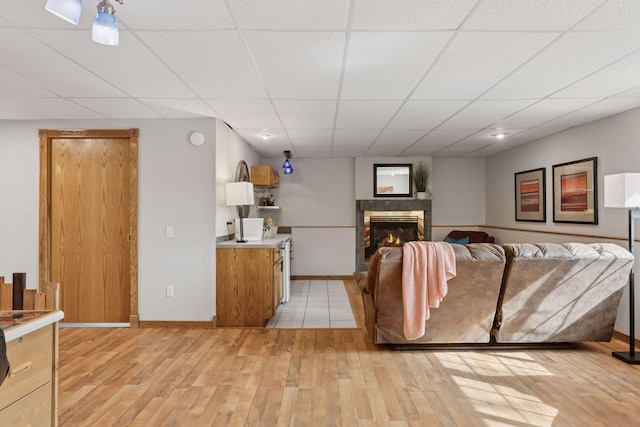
{"points": [[239, 194], [623, 191]]}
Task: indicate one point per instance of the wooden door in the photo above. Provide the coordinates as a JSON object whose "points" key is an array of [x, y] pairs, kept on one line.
{"points": [[91, 229]]}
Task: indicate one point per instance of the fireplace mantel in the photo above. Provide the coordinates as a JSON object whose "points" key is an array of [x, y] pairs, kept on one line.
{"points": [[386, 205]]}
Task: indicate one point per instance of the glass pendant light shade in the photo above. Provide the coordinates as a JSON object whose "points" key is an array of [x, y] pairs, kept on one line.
{"points": [[288, 170], [69, 10], [105, 29]]}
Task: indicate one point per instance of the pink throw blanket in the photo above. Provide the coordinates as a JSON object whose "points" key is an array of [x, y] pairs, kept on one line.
{"points": [[426, 267]]}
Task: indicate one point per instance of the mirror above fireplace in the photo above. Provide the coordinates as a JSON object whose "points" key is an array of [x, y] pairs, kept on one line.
{"points": [[392, 180]]}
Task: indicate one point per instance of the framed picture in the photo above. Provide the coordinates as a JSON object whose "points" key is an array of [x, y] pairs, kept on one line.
{"points": [[575, 193], [530, 195], [393, 180]]}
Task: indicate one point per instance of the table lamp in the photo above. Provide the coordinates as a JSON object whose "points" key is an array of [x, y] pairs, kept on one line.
{"points": [[623, 191], [239, 194]]}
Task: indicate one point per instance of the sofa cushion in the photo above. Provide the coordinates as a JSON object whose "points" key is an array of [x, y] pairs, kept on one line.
{"points": [[463, 241], [474, 236]]}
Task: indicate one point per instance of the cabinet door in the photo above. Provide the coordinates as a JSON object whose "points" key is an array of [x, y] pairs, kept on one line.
{"points": [[278, 284]]}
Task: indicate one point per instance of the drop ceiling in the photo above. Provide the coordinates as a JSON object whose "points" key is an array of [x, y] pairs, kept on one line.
{"points": [[334, 78]]}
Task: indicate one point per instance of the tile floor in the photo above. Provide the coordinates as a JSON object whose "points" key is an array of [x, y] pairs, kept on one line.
{"points": [[315, 304]]}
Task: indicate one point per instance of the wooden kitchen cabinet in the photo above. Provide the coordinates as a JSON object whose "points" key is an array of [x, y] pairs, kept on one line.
{"points": [[265, 175], [249, 285]]}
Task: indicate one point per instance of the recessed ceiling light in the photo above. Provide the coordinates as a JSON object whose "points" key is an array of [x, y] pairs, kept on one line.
{"points": [[265, 136], [500, 135]]}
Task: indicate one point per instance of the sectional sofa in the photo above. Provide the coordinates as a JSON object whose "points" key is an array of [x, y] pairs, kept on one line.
{"points": [[509, 294]]}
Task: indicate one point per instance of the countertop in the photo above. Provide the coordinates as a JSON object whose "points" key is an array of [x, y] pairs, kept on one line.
{"points": [[32, 321], [265, 243]]}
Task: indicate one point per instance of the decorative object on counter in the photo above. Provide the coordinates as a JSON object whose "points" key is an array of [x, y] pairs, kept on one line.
{"points": [[270, 228], [239, 194], [288, 169], [623, 191], [531, 195], [19, 285], [421, 178], [575, 192]]}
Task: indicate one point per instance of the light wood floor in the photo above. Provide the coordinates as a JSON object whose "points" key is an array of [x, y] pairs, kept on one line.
{"points": [[298, 377]]}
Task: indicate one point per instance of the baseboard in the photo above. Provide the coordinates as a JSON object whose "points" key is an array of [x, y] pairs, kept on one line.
{"points": [[349, 277], [180, 324], [134, 321], [624, 337]]}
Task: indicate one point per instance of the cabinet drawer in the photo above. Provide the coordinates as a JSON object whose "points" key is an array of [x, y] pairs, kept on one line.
{"points": [[32, 410], [31, 365]]}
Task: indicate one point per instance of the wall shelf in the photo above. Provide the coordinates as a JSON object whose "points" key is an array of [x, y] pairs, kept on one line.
{"points": [[269, 208]]}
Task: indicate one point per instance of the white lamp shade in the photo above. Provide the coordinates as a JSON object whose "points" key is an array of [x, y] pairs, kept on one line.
{"points": [[239, 193], [622, 190], [69, 10]]}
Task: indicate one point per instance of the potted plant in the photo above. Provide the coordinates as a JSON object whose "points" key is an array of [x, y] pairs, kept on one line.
{"points": [[421, 177]]}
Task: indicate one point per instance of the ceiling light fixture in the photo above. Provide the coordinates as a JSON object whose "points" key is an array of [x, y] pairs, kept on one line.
{"points": [[105, 27], [69, 10], [265, 136], [288, 169], [500, 135]]}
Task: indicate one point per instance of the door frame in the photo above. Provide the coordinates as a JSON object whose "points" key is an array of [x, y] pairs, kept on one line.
{"points": [[44, 257]]}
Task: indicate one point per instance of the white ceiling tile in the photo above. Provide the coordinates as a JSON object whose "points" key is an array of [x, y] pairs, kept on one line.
{"points": [[291, 14], [179, 108], [360, 138], [126, 67], [486, 137], [299, 65], [395, 141], [526, 15], [475, 61], [489, 150], [597, 111], [14, 86], [480, 114], [19, 109], [456, 151], [613, 15], [311, 152], [423, 150], [529, 135], [33, 61], [388, 65], [307, 138], [385, 151], [444, 137], [166, 15], [609, 81], [543, 111], [365, 114], [410, 14], [117, 108], [274, 146], [564, 62], [220, 69], [244, 114], [349, 151], [306, 114], [58, 108], [425, 114]]}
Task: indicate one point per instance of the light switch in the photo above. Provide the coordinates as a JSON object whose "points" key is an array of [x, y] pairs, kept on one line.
{"points": [[169, 232]]}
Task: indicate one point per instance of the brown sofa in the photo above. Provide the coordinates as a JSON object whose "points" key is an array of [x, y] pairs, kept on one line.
{"points": [[516, 293], [474, 236]]}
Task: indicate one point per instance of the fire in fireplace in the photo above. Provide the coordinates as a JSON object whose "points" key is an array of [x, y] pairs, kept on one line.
{"points": [[391, 231]]}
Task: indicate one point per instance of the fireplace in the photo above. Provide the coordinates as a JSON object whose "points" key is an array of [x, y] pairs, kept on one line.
{"points": [[382, 223]]}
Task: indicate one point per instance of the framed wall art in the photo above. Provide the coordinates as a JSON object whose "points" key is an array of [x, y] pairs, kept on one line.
{"points": [[392, 180], [530, 194], [575, 193]]}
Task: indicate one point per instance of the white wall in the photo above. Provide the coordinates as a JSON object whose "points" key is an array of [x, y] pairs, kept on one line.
{"points": [[614, 141], [230, 149], [176, 187], [318, 202]]}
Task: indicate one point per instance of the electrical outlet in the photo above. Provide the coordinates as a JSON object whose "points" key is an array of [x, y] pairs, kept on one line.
{"points": [[169, 231], [170, 291]]}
